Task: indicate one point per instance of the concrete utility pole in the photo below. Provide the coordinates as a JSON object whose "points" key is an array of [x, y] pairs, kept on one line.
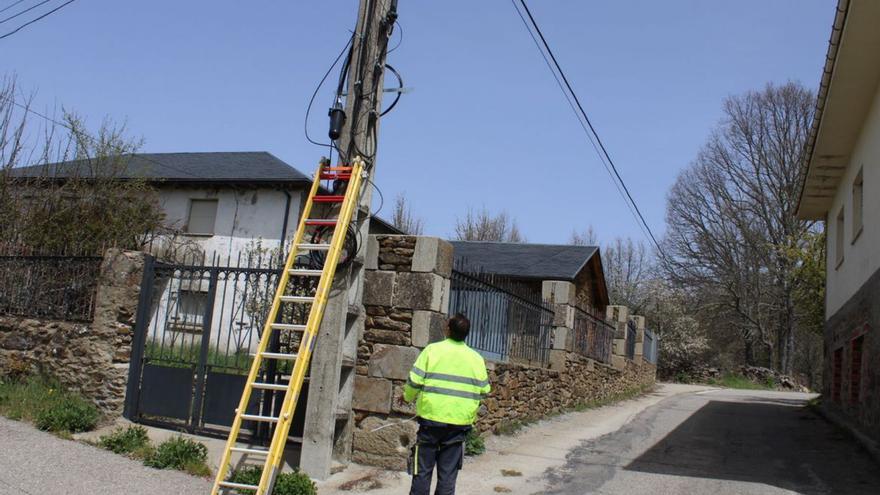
{"points": [[329, 422]]}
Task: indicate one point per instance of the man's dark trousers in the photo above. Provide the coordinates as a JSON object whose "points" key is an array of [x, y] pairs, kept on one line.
{"points": [[440, 445]]}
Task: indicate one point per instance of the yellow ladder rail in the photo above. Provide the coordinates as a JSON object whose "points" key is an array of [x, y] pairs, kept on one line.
{"points": [[306, 346]]}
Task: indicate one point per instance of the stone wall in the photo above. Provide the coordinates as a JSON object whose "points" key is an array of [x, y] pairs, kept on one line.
{"points": [[856, 321], [406, 297], [89, 358]]}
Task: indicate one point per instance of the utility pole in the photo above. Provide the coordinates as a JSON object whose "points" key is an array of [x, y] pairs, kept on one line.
{"points": [[329, 422]]}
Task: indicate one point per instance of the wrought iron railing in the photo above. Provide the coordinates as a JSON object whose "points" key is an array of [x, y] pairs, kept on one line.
{"points": [[650, 345], [509, 320], [631, 340], [593, 337], [50, 287]]}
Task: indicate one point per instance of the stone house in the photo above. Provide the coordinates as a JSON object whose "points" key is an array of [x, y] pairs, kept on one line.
{"points": [[840, 187]]}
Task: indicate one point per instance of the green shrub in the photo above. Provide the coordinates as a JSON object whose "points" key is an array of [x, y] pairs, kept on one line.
{"points": [[474, 444], [294, 483], [125, 440], [67, 413], [177, 453]]}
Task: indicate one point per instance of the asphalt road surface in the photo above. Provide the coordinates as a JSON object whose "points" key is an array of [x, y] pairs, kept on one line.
{"points": [[721, 442]]}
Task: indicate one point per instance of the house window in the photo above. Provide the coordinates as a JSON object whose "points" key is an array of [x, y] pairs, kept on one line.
{"points": [[855, 371], [838, 238], [858, 202], [202, 216], [190, 314], [836, 374]]}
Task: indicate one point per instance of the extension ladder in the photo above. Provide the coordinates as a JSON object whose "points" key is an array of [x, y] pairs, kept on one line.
{"points": [[345, 206]]}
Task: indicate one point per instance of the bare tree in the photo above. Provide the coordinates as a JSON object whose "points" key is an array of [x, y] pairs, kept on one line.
{"points": [[73, 192], [403, 217], [484, 226], [730, 217], [586, 237], [627, 266]]}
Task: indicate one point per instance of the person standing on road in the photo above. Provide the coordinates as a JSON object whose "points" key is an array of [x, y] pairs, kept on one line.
{"points": [[449, 379]]}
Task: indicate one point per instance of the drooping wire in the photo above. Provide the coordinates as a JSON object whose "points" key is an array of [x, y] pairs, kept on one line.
{"points": [[318, 88], [19, 28], [604, 151], [399, 89]]}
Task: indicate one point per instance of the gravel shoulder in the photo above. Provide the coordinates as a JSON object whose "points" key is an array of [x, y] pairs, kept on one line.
{"points": [[34, 462]]}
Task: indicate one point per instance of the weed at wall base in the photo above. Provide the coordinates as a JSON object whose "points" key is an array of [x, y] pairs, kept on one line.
{"points": [[45, 403], [294, 483]]}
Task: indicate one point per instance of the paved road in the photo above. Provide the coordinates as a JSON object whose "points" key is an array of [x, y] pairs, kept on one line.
{"points": [[720, 442], [33, 462]]}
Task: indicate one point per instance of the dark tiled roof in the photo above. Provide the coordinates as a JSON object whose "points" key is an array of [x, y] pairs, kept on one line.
{"points": [[536, 261], [223, 166]]}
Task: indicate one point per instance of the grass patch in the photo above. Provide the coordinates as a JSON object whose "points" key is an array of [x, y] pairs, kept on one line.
{"points": [[294, 483], [126, 441], [182, 454], [47, 405], [737, 381], [474, 444], [596, 403], [510, 472]]}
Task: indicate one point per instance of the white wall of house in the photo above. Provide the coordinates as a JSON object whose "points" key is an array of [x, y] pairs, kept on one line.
{"points": [[243, 215], [854, 256]]}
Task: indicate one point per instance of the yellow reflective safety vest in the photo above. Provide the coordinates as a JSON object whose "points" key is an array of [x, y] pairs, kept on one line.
{"points": [[449, 379]]}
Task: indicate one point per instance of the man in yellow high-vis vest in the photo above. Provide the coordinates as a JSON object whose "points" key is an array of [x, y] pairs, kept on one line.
{"points": [[449, 379]]}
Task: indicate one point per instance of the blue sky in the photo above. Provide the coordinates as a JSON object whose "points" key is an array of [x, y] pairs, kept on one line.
{"points": [[485, 124]]}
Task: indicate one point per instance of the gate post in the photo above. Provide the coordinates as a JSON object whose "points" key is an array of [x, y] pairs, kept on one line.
{"points": [[138, 340], [202, 369]]}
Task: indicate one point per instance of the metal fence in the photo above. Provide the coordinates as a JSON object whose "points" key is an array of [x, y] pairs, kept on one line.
{"points": [[51, 287], [631, 340], [650, 346], [593, 337], [198, 325], [509, 321]]}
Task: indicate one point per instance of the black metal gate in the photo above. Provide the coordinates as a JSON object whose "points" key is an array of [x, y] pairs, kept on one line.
{"points": [[196, 329]]}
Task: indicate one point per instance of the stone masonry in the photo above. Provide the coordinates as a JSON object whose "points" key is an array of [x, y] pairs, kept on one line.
{"points": [[406, 299], [89, 358]]}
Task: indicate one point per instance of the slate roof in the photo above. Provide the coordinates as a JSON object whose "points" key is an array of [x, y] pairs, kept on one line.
{"points": [[534, 261], [213, 167]]}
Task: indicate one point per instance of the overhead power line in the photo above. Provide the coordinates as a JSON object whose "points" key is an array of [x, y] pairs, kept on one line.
{"points": [[4, 9], [25, 11], [19, 28], [593, 136]]}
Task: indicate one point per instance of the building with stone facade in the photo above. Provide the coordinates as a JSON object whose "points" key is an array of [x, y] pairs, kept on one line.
{"points": [[842, 188]]}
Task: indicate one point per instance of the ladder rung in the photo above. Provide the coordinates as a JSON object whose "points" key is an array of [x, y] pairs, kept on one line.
{"points": [[256, 417], [278, 355], [269, 386], [288, 326], [302, 272], [332, 176], [249, 451], [328, 199], [298, 299], [313, 247], [320, 222], [238, 486]]}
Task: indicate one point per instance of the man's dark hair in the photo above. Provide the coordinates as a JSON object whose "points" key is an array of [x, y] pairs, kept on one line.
{"points": [[459, 327]]}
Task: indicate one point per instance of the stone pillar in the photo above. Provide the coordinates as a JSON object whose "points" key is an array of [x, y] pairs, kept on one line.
{"points": [[640, 338], [562, 297], [617, 317], [406, 297]]}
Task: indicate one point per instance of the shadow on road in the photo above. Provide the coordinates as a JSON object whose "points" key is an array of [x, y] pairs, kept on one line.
{"points": [[777, 442]]}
